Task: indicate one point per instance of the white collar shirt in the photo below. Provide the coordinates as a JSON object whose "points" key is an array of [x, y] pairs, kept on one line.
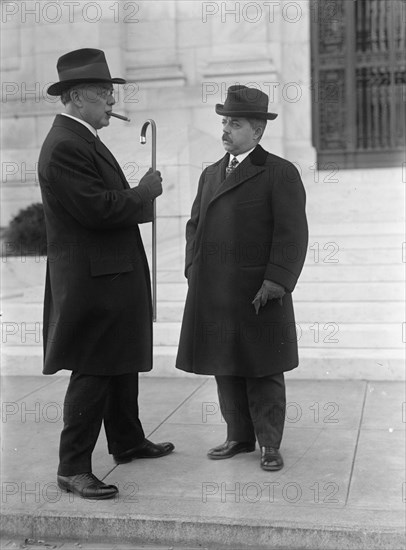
{"points": [[241, 156]]}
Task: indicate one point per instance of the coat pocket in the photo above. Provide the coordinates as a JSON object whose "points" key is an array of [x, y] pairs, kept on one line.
{"points": [[109, 266]]}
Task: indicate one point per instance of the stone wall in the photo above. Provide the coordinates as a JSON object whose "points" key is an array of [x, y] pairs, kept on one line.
{"points": [[179, 58]]}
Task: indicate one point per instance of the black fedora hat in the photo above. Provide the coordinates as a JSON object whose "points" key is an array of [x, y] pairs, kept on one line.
{"points": [[80, 67], [245, 102]]}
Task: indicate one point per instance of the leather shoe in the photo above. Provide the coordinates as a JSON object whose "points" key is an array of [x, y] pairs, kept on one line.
{"points": [[231, 448], [271, 459], [145, 450], [86, 486]]}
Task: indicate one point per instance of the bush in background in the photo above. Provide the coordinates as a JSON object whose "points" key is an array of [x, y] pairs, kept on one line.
{"points": [[26, 233]]}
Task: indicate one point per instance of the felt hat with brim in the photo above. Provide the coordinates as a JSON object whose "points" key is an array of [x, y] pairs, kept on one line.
{"points": [[83, 66], [245, 102]]}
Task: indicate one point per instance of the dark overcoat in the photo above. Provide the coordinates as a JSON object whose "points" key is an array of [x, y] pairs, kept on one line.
{"points": [[243, 229], [97, 306]]}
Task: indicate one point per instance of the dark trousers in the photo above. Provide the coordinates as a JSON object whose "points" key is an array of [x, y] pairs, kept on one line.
{"points": [[253, 408], [89, 401]]}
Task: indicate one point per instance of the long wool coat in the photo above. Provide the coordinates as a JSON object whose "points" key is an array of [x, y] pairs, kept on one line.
{"points": [[97, 306], [243, 229]]}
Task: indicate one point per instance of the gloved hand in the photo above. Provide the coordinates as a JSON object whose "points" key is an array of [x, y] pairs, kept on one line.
{"points": [[152, 181], [268, 291]]}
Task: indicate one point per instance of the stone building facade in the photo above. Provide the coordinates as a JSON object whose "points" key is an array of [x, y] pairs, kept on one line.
{"points": [[179, 57]]}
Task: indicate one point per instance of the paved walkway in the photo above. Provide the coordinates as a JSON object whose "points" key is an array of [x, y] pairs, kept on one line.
{"points": [[343, 484]]}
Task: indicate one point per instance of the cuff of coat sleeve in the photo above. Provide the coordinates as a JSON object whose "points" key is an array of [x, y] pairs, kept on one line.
{"points": [[143, 193], [146, 213], [282, 276]]}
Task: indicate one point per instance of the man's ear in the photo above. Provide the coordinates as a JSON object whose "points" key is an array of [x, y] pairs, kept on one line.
{"points": [[258, 132], [76, 97]]}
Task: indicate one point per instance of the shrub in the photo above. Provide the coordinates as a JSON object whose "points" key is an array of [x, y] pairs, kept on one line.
{"points": [[26, 233]]}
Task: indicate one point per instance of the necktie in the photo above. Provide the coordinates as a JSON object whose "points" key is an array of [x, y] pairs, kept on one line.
{"points": [[232, 166]]}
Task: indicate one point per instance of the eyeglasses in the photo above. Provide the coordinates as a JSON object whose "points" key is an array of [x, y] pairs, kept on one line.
{"points": [[105, 92], [91, 92]]}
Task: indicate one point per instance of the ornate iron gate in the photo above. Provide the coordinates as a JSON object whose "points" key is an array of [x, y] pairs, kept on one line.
{"points": [[359, 82]]}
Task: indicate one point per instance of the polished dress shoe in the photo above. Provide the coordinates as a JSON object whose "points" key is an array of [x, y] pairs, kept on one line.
{"points": [[145, 450], [271, 459], [231, 448], [86, 486]]}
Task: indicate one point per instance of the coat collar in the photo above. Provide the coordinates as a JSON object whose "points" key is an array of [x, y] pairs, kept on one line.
{"points": [[74, 126], [258, 156], [81, 130], [250, 167]]}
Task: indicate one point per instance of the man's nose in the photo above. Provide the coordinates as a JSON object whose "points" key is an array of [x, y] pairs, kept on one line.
{"points": [[111, 100]]}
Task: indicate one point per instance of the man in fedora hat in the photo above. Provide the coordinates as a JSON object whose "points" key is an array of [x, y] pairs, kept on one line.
{"points": [[97, 305], [246, 243]]}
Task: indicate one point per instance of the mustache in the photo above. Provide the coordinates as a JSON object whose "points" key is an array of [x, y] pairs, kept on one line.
{"points": [[225, 138]]}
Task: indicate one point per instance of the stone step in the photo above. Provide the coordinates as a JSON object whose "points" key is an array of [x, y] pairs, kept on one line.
{"points": [[331, 256], [380, 312], [335, 254], [353, 241], [175, 244], [329, 335], [337, 291], [351, 364], [346, 291], [322, 312], [332, 252], [366, 196], [25, 282], [321, 272], [320, 335], [343, 291], [324, 273]]}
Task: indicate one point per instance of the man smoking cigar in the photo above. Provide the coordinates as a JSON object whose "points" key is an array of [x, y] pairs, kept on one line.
{"points": [[97, 306]]}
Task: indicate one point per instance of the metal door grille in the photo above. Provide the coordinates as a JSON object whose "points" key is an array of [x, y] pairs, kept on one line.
{"points": [[359, 82]]}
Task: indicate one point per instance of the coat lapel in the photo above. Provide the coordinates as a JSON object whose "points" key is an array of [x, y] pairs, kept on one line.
{"points": [[218, 176], [250, 167], [102, 150], [99, 146]]}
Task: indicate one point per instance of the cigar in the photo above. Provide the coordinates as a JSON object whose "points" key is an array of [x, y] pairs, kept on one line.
{"points": [[121, 117]]}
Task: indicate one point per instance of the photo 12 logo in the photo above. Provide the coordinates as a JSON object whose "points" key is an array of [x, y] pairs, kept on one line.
{"points": [[36, 92], [252, 492], [252, 12], [290, 92], [69, 12], [41, 493]]}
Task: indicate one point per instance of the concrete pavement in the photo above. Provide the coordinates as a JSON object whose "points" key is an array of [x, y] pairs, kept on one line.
{"points": [[343, 484]]}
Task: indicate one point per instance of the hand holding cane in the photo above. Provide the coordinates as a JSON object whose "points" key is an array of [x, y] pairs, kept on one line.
{"points": [[143, 140]]}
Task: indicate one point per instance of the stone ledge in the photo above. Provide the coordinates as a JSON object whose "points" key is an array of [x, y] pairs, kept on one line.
{"points": [[281, 534]]}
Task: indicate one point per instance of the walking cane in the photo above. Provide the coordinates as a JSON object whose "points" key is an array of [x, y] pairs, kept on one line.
{"points": [[143, 140]]}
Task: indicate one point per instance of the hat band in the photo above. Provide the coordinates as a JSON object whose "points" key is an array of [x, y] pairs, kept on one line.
{"points": [[239, 107], [93, 70]]}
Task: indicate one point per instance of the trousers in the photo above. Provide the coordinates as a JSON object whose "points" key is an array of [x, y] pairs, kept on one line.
{"points": [[89, 402], [253, 408]]}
